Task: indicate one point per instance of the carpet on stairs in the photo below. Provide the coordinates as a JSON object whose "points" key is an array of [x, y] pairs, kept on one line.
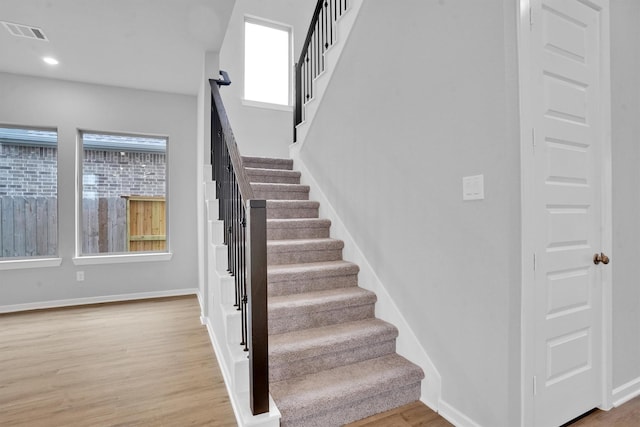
{"points": [[331, 361]]}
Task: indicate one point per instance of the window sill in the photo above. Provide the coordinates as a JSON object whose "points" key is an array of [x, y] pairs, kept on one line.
{"points": [[30, 263], [267, 105], [122, 258]]}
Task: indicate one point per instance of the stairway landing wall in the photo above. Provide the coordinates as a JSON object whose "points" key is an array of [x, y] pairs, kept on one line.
{"points": [[424, 94]]}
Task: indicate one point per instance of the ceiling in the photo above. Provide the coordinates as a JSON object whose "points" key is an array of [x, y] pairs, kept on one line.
{"points": [[146, 44]]}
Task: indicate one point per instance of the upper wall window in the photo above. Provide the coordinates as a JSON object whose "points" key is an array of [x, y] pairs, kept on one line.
{"points": [[28, 193], [123, 194], [267, 62]]}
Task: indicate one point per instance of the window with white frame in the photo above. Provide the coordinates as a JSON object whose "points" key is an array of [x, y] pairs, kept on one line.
{"points": [[28, 193], [123, 187], [267, 62]]}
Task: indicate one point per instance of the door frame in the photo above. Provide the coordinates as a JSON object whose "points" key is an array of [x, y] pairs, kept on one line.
{"points": [[527, 326]]}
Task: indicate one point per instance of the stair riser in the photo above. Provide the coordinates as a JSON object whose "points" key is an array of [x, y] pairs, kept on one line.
{"points": [[320, 318], [285, 370], [280, 195], [351, 411], [311, 285], [297, 233], [280, 258], [287, 213]]}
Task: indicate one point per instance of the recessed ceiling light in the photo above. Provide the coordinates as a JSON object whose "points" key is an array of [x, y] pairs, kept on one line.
{"points": [[51, 61]]}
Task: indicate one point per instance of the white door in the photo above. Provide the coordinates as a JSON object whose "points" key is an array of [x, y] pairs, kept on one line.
{"points": [[568, 120]]}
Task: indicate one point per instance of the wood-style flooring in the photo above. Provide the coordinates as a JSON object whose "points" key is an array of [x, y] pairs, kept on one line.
{"points": [[417, 414], [144, 363]]}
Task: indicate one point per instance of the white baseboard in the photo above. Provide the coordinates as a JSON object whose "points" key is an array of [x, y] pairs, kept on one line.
{"points": [[41, 305], [626, 392], [454, 416], [407, 343]]}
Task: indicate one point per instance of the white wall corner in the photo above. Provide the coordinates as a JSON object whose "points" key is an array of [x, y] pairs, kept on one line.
{"points": [[344, 25], [407, 343]]}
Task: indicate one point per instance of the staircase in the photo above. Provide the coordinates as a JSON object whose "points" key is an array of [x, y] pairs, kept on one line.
{"points": [[331, 361]]}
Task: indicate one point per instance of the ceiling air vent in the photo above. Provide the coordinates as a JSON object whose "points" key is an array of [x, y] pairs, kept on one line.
{"points": [[26, 31]]}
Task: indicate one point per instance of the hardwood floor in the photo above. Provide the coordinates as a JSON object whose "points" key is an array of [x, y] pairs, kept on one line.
{"points": [[417, 414], [411, 415], [627, 415], [146, 363]]}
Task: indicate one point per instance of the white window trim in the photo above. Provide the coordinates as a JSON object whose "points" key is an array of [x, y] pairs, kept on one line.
{"points": [[119, 258], [122, 258], [42, 261], [267, 105], [23, 263], [280, 26]]}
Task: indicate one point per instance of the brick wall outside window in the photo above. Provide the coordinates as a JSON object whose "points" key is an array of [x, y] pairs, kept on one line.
{"points": [[28, 171], [115, 174], [31, 171]]}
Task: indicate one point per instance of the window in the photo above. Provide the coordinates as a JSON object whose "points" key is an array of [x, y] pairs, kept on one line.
{"points": [[28, 193], [123, 194], [267, 62]]}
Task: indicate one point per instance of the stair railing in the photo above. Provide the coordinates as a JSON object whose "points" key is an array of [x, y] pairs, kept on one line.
{"points": [[321, 36], [245, 225]]}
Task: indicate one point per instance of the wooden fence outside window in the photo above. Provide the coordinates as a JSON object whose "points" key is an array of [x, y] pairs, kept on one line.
{"points": [[29, 225]]}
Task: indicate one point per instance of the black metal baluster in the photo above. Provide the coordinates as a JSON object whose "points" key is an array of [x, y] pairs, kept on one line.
{"points": [[314, 57], [233, 190], [321, 36], [230, 218], [327, 24], [243, 275], [309, 68], [319, 57], [332, 19]]}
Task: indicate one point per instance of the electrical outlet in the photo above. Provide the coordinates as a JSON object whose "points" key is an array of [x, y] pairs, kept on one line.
{"points": [[80, 276]]}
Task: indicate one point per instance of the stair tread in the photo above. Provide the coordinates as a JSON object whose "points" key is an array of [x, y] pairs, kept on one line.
{"points": [[291, 245], [267, 159], [292, 204], [298, 222], [273, 172], [317, 301], [321, 391], [312, 270], [277, 186], [292, 208], [304, 343]]}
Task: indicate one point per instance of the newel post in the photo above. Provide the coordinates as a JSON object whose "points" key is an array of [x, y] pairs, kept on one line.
{"points": [[257, 291]]}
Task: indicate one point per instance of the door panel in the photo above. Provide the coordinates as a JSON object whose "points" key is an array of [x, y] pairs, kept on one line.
{"points": [[567, 185]]}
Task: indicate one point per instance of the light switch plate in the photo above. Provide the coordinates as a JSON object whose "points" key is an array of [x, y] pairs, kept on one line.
{"points": [[473, 187]]}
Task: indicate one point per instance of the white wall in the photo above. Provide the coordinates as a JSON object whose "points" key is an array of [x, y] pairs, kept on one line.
{"points": [[71, 106], [210, 68], [260, 131], [625, 104], [426, 93]]}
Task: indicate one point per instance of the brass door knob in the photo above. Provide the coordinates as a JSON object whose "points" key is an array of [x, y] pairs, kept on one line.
{"points": [[600, 258]]}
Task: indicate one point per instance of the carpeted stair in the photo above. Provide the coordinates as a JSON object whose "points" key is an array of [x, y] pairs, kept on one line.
{"points": [[331, 361]]}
